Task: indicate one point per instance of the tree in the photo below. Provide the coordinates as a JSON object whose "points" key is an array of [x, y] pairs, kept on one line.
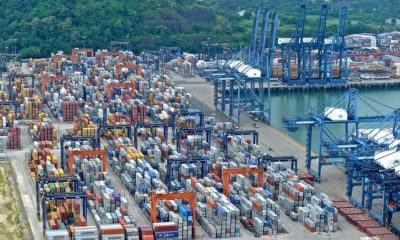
{"points": [[30, 52]]}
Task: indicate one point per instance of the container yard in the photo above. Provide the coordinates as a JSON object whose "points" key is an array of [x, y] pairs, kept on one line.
{"points": [[145, 158], [109, 144]]}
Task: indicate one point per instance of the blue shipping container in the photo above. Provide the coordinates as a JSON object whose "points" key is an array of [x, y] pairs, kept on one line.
{"points": [[169, 234]]}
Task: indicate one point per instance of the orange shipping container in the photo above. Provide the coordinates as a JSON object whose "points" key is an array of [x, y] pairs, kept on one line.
{"points": [[252, 190], [257, 205], [211, 202], [298, 187], [148, 237]]}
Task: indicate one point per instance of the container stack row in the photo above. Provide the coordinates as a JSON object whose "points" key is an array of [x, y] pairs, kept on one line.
{"points": [[298, 200], [30, 108], [69, 109], [43, 162], [44, 133], [83, 126]]}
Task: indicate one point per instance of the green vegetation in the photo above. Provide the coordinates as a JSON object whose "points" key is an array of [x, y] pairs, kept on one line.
{"points": [[38, 27], [11, 226]]}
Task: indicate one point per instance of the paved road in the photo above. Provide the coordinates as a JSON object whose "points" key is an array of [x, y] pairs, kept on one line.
{"points": [[25, 183]]}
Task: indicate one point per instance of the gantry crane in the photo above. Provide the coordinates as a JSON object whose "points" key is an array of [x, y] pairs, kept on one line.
{"points": [[245, 170], [264, 161], [318, 43], [41, 180], [11, 78], [111, 54], [190, 112], [101, 127], [169, 53], [57, 58], [240, 75], [295, 46], [63, 197], [86, 153], [156, 196], [149, 126], [117, 46], [119, 67], [83, 50], [327, 54], [47, 79], [329, 149], [253, 40], [171, 162], [11, 104], [193, 131], [233, 132], [362, 160], [64, 138], [378, 187], [339, 47]]}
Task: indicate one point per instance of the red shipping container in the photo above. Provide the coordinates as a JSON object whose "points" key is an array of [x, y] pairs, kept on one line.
{"points": [[388, 237], [349, 211], [339, 205], [52, 224], [358, 217], [82, 221], [363, 225], [121, 221], [377, 231], [145, 230], [111, 229], [165, 226], [147, 237], [123, 211]]}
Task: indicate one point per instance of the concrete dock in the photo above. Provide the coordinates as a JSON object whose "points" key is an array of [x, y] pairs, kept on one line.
{"points": [[278, 86]]}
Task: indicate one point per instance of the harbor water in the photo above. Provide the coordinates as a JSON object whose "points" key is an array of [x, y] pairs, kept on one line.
{"points": [[292, 104]]}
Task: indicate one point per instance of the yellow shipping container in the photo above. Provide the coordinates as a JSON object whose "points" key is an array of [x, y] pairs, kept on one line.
{"points": [[57, 185]]}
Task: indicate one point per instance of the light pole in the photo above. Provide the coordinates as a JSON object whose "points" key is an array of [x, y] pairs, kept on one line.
{"points": [[84, 41]]}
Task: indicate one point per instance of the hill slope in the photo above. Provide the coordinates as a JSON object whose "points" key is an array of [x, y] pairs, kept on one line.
{"points": [[39, 27]]}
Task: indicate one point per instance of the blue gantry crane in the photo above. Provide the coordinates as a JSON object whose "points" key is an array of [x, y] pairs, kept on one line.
{"points": [[378, 188], [149, 126], [40, 181], [294, 74], [238, 83], [173, 165], [207, 131], [362, 163], [265, 160], [169, 53], [338, 47], [319, 74], [11, 104], [112, 127], [11, 78], [63, 197], [232, 132], [190, 112], [328, 66], [329, 144]]}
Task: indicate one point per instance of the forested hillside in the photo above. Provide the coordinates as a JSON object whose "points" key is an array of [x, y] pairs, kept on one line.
{"points": [[38, 27]]}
